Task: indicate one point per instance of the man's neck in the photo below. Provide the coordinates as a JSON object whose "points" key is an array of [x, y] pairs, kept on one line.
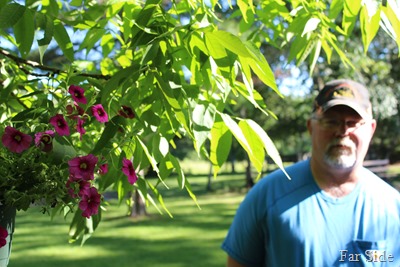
{"points": [[335, 182]]}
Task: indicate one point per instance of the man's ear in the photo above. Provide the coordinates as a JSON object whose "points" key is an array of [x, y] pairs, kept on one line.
{"points": [[373, 126]]}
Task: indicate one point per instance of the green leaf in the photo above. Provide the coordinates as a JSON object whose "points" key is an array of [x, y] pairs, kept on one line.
{"points": [[91, 38], [152, 160], [47, 26], [328, 50], [142, 187], [220, 145], [109, 132], [218, 41], [139, 35], [5, 91], [159, 198], [332, 41], [243, 6], [311, 25], [191, 194], [182, 181], [172, 103], [315, 55], [196, 41], [10, 14], [236, 131], [298, 24], [245, 138], [150, 53], [76, 227], [254, 97], [215, 49], [62, 150], [350, 13], [107, 44], [24, 31], [391, 21], [83, 227], [64, 42], [260, 66], [369, 26], [257, 155], [267, 144], [122, 189], [114, 172], [117, 79], [160, 146], [297, 47], [27, 114], [167, 92], [203, 118], [311, 43], [150, 199], [165, 167], [335, 8]]}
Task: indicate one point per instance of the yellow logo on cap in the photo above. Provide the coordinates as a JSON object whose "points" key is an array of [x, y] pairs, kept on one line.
{"points": [[343, 92]]}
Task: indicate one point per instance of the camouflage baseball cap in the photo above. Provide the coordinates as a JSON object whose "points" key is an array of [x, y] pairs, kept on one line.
{"points": [[344, 92]]}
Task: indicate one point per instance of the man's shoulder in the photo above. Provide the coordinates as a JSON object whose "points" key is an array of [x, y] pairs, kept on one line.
{"points": [[294, 174], [377, 186], [276, 185]]}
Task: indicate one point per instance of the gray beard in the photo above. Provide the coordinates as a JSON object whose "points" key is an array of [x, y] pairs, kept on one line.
{"points": [[340, 162], [343, 158]]}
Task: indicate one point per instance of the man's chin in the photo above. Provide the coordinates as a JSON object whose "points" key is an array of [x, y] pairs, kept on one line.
{"points": [[341, 162]]}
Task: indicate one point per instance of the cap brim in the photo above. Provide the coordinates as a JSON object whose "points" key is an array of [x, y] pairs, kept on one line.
{"points": [[351, 104]]}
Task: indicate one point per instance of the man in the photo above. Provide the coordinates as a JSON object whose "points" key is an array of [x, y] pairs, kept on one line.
{"points": [[333, 211]]}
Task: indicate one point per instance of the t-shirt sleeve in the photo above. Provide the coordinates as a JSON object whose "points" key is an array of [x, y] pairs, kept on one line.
{"points": [[246, 236]]}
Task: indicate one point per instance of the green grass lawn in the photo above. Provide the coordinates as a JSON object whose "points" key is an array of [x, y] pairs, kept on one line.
{"points": [[192, 238]]}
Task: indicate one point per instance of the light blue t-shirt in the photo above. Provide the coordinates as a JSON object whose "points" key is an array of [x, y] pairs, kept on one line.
{"points": [[294, 223]]}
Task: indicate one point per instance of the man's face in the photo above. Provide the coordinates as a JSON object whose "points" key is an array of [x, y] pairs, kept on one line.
{"points": [[340, 137]]}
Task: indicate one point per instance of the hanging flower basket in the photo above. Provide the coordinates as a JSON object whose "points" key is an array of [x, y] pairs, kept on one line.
{"points": [[7, 225]]}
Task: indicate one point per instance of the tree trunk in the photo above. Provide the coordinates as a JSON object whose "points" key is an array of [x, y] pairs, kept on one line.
{"points": [[138, 207], [209, 181], [233, 169], [249, 179]]}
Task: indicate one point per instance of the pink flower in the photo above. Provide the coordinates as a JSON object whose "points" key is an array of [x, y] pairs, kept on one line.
{"points": [[128, 170], [3, 236], [90, 202], [103, 169], [45, 140], [74, 110], [126, 112], [83, 167], [15, 140], [77, 187], [77, 94], [70, 109], [99, 113], [80, 110], [79, 126], [60, 124]]}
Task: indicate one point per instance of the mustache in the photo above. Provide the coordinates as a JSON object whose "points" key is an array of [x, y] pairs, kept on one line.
{"points": [[346, 142]]}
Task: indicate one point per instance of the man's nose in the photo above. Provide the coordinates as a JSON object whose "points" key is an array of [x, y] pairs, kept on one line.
{"points": [[344, 128]]}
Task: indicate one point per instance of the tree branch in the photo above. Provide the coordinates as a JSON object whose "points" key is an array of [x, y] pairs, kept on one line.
{"points": [[34, 64]]}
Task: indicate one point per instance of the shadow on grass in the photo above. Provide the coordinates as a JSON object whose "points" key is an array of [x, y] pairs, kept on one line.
{"points": [[191, 238]]}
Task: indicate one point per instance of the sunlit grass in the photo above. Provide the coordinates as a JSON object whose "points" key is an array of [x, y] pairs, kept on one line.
{"points": [[191, 238]]}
